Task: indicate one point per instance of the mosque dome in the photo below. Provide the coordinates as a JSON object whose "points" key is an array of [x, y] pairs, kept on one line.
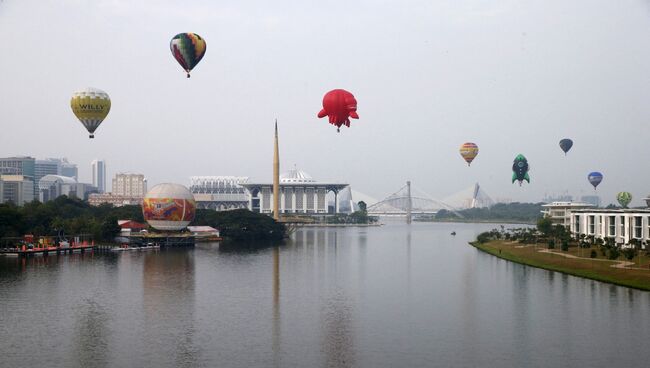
{"points": [[296, 176]]}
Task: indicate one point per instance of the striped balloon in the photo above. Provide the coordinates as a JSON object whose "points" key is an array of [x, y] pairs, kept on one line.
{"points": [[188, 49], [90, 106], [469, 151]]}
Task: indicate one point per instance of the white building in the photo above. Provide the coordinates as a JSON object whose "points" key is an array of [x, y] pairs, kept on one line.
{"points": [[129, 185], [219, 193], [52, 186], [299, 193], [99, 175], [560, 212], [17, 189], [621, 224]]}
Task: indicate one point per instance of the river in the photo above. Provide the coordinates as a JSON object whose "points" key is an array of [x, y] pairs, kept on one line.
{"points": [[390, 296]]}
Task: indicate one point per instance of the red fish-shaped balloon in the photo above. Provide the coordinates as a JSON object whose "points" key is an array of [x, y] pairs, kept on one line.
{"points": [[340, 105]]}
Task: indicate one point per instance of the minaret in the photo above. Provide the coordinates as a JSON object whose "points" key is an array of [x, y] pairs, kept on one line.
{"points": [[276, 176]]}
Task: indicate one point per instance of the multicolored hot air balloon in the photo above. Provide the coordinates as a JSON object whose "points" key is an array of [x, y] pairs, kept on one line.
{"points": [[566, 144], [340, 105], [90, 106], [188, 49], [469, 151], [169, 207], [624, 198], [595, 178], [520, 169]]}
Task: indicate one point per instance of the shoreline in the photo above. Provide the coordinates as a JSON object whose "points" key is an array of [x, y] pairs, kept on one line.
{"points": [[609, 271]]}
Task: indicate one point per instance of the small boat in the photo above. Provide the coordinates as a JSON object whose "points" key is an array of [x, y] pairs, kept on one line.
{"points": [[453, 233]]}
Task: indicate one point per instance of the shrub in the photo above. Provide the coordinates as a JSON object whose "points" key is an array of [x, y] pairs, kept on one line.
{"points": [[551, 244], [483, 237], [593, 253], [565, 246], [614, 253], [629, 253]]}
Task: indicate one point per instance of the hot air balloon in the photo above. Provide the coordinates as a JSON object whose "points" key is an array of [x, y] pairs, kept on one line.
{"points": [[595, 178], [340, 105], [168, 207], [469, 151], [566, 144], [90, 106], [624, 198], [520, 169], [188, 49]]}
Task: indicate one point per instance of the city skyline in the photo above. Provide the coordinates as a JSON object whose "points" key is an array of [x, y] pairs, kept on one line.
{"points": [[513, 78]]}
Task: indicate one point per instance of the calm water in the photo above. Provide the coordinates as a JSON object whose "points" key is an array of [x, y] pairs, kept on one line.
{"points": [[369, 297]]}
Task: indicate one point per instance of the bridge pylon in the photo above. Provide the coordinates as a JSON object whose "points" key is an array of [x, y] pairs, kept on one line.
{"points": [[409, 203]]}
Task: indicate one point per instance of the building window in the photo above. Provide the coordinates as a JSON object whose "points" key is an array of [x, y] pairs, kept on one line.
{"points": [[638, 228], [577, 223], [622, 226], [612, 225], [591, 221]]}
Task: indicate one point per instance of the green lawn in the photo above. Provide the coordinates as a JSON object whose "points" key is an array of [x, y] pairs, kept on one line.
{"points": [[635, 276]]}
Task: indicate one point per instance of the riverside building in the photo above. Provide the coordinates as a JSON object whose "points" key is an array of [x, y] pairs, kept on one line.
{"points": [[560, 212], [299, 194], [623, 224]]}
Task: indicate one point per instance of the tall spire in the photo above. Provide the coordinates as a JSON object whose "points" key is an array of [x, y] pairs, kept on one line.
{"points": [[276, 175]]}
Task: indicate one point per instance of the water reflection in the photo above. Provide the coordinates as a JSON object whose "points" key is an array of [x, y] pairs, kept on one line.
{"points": [[276, 331], [337, 308], [90, 340], [168, 303]]}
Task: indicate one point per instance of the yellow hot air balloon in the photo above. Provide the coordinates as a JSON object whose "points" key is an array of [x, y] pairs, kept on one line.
{"points": [[90, 106], [469, 151]]}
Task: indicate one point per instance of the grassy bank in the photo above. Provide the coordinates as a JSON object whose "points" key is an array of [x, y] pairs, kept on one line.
{"points": [[635, 275]]}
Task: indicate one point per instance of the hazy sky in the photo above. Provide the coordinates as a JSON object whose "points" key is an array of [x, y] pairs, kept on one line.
{"points": [[512, 76]]}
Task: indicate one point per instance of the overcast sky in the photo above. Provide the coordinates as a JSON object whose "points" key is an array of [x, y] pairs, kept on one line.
{"points": [[511, 76]]}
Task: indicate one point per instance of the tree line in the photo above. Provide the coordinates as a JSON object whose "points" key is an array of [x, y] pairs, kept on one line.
{"points": [[70, 215], [511, 212], [75, 216]]}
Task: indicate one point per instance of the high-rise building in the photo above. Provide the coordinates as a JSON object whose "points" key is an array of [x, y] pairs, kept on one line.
{"points": [[20, 165], [54, 166], [17, 189], [68, 169], [130, 185], [99, 175], [49, 166]]}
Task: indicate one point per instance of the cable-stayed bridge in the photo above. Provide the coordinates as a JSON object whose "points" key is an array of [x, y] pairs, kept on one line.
{"points": [[409, 201]]}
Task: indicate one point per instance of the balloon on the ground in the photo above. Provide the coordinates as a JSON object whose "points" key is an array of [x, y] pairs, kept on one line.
{"points": [[469, 151], [188, 49], [624, 198], [595, 178], [169, 207], [566, 144], [339, 105], [520, 169], [90, 106]]}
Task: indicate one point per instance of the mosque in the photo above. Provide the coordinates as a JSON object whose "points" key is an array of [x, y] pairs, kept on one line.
{"points": [[299, 193]]}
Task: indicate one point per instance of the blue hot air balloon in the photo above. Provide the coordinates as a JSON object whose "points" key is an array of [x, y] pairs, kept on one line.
{"points": [[595, 178]]}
